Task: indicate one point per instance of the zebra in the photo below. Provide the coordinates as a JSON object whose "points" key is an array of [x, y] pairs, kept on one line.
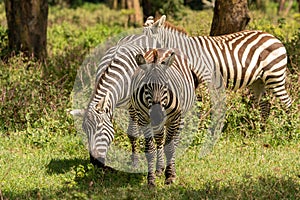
{"points": [[246, 58], [111, 90], [162, 91]]}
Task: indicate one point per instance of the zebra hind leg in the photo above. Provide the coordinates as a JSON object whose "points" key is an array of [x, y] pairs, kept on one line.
{"points": [[134, 156], [258, 90], [265, 107], [133, 134]]}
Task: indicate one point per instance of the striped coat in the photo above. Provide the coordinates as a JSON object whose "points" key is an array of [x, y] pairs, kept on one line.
{"points": [[163, 90]]}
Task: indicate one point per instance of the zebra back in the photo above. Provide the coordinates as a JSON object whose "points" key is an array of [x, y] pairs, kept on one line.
{"points": [[242, 58]]}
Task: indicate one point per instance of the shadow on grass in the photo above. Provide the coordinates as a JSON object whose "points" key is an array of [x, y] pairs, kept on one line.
{"points": [[106, 177], [268, 187], [61, 166], [120, 185]]}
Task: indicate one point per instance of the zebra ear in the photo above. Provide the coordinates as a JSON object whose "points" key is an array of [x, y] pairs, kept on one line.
{"points": [[160, 22], [167, 62], [149, 21], [140, 60]]}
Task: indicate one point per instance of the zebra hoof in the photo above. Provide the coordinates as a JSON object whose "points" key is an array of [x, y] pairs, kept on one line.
{"points": [[170, 174], [159, 172], [151, 184], [151, 179], [170, 180]]}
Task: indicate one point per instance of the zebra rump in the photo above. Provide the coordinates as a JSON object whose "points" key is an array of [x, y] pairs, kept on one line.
{"points": [[249, 58]]}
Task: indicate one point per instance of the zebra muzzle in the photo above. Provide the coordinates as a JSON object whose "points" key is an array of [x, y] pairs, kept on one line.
{"points": [[157, 115]]}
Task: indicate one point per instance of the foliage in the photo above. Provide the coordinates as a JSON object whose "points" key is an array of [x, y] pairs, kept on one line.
{"points": [[42, 156], [3, 41], [171, 8]]}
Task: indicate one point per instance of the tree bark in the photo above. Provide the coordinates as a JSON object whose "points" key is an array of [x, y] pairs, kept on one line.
{"points": [[280, 6], [136, 18], [27, 26], [289, 7], [147, 9], [229, 16]]}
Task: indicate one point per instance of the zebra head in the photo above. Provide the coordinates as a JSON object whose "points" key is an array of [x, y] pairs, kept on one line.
{"points": [[97, 124], [152, 28], [154, 90]]}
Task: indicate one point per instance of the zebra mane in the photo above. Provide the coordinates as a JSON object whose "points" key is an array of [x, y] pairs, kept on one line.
{"points": [[169, 25]]}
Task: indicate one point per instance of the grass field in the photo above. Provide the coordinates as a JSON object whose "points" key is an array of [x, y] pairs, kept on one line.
{"points": [[42, 156]]}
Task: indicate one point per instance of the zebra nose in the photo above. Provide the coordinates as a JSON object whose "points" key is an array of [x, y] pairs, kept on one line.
{"points": [[156, 114]]}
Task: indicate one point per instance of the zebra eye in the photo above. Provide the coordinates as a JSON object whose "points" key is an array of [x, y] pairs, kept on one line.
{"points": [[163, 62]]}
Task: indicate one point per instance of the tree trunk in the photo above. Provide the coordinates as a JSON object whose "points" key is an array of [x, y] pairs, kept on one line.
{"points": [[289, 7], [280, 6], [113, 4], [229, 16], [136, 18], [147, 9], [27, 26]]}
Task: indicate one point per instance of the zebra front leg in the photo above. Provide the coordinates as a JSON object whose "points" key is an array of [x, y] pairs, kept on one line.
{"points": [[150, 155], [160, 164], [170, 172], [171, 142]]}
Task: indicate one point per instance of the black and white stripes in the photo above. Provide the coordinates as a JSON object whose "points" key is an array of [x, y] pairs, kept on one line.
{"points": [[113, 79], [163, 91], [245, 58]]}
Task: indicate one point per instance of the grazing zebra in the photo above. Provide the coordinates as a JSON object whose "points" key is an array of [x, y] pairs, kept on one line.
{"points": [[163, 90], [247, 58], [111, 90]]}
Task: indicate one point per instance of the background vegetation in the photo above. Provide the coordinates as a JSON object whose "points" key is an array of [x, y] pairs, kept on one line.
{"points": [[42, 156]]}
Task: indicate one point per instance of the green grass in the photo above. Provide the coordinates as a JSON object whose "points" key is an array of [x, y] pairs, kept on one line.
{"points": [[42, 156], [60, 170]]}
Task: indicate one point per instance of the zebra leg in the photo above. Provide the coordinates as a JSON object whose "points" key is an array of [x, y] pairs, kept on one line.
{"points": [[160, 164], [133, 133], [150, 155], [170, 172], [278, 89], [171, 142], [258, 90]]}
